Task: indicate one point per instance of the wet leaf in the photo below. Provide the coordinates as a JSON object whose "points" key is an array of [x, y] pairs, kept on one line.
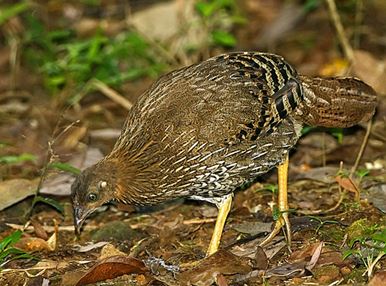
{"points": [[113, 267]]}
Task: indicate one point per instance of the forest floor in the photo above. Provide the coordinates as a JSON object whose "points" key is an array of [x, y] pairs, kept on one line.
{"points": [[51, 125]]}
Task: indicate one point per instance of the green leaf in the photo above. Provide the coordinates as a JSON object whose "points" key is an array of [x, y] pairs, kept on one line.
{"points": [[362, 173], [53, 203], [348, 253], [10, 240], [380, 236], [65, 167], [11, 11], [307, 129], [271, 187], [224, 39], [337, 133], [206, 9], [311, 5]]}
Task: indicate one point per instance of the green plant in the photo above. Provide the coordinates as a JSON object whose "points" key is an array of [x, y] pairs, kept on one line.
{"points": [[7, 250], [269, 187], [10, 11], [68, 61], [219, 16], [368, 243]]}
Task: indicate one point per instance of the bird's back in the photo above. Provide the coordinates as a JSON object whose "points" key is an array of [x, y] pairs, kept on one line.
{"points": [[208, 128]]}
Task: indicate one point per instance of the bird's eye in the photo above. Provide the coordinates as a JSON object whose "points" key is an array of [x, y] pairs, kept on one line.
{"points": [[92, 197]]}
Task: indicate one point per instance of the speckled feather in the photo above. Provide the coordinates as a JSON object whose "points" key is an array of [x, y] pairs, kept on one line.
{"points": [[204, 130]]}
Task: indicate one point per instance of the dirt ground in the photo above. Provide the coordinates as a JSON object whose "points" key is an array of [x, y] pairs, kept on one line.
{"points": [[337, 208]]}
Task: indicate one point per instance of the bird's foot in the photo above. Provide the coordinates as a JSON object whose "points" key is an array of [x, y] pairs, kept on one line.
{"points": [[280, 223]]}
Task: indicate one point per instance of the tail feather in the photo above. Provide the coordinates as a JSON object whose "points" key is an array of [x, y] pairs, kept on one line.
{"points": [[336, 102]]}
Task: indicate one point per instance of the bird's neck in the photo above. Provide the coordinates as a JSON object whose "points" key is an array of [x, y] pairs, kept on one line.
{"points": [[135, 175]]}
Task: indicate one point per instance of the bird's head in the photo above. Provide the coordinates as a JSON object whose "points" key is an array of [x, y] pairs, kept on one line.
{"points": [[93, 188]]}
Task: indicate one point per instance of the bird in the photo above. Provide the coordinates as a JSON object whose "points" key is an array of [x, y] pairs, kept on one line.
{"points": [[203, 131]]}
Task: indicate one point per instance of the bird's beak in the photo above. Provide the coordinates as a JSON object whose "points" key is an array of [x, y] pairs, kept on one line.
{"points": [[80, 215]]}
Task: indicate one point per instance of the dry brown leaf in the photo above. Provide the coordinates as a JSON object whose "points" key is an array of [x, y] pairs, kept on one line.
{"points": [[110, 250], [113, 267], [38, 244], [39, 229], [349, 185]]}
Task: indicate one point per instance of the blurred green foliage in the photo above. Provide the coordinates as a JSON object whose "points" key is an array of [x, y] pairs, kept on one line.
{"points": [[67, 61], [15, 159], [64, 59], [219, 16], [10, 11]]}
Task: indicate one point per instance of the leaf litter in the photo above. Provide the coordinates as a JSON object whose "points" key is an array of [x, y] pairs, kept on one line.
{"points": [[160, 241]]}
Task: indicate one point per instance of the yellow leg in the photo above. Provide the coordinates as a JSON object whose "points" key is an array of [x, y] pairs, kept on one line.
{"points": [[223, 209], [283, 206]]}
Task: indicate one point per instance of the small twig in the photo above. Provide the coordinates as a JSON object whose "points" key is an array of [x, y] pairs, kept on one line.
{"points": [[370, 267], [199, 221], [347, 49], [362, 149], [49, 228], [358, 21], [111, 93], [49, 159]]}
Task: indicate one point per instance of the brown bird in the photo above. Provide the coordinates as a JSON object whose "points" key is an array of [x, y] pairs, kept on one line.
{"points": [[203, 131]]}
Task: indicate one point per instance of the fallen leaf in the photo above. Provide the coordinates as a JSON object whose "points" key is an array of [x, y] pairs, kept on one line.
{"points": [[253, 228], [377, 196], [253, 251], [111, 268], [90, 246], [315, 257], [349, 185], [378, 279], [16, 190], [39, 229], [207, 271], [39, 244], [110, 250]]}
